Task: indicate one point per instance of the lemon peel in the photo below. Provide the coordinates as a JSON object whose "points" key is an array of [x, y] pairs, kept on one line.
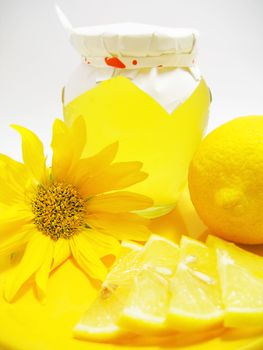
{"points": [[225, 180]]}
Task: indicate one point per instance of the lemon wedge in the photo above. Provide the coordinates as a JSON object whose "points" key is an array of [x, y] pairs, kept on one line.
{"points": [[134, 294], [160, 255], [147, 304], [99, 323], [195, 294], [241, 275]]}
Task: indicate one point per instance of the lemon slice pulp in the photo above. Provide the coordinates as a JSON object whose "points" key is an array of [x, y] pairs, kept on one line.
{"points": [[195, 294], [241, 275]]}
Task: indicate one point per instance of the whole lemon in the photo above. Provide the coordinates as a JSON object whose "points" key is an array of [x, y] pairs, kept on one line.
{"points": [[226, 180]]}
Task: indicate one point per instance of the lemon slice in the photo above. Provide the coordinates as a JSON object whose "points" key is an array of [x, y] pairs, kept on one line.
{"points": [[134, 295], [99, 323], [195, 294], [147, 304], [160, 255], [241, 275]]}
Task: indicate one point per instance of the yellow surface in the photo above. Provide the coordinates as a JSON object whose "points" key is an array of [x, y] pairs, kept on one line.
{"points": [[117, 110], [226, 179], [29, 325]]}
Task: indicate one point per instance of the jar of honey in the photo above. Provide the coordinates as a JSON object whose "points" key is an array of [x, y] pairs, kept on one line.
{"points": [[140, 85]]}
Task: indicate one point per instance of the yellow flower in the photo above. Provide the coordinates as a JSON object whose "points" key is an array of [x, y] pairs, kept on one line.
{"points": [[73, 208]]}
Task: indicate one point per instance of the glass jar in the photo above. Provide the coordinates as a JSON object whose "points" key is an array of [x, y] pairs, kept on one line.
{"points": [[140, 85]]}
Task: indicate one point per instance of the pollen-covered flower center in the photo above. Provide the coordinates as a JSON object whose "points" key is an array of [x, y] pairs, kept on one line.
{"points": [[59, 210]]}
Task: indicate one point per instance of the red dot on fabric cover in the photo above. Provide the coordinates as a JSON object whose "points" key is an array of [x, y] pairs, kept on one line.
{"points": [[134, 62], [114, 62]]}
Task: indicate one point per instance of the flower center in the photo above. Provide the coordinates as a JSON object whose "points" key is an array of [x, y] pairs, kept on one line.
{"points": [[59, 210]]}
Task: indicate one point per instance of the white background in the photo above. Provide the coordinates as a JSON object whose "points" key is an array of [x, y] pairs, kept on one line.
{"points": [[36, 58]]}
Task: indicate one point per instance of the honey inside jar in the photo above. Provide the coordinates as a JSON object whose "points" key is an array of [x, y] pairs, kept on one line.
{"points": [[140, 85]]}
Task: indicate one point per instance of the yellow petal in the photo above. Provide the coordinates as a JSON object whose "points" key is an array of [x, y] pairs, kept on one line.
{"points": [[31, 261], [13, 180], [61, 252], [101, 243], [117, 176], [86, 258], [42, 274], [123, 226], [18, 170], [15, 241], [33, 153], [67, 144], [13, 218], [118, 202], [87, 167], [9, 189]]}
